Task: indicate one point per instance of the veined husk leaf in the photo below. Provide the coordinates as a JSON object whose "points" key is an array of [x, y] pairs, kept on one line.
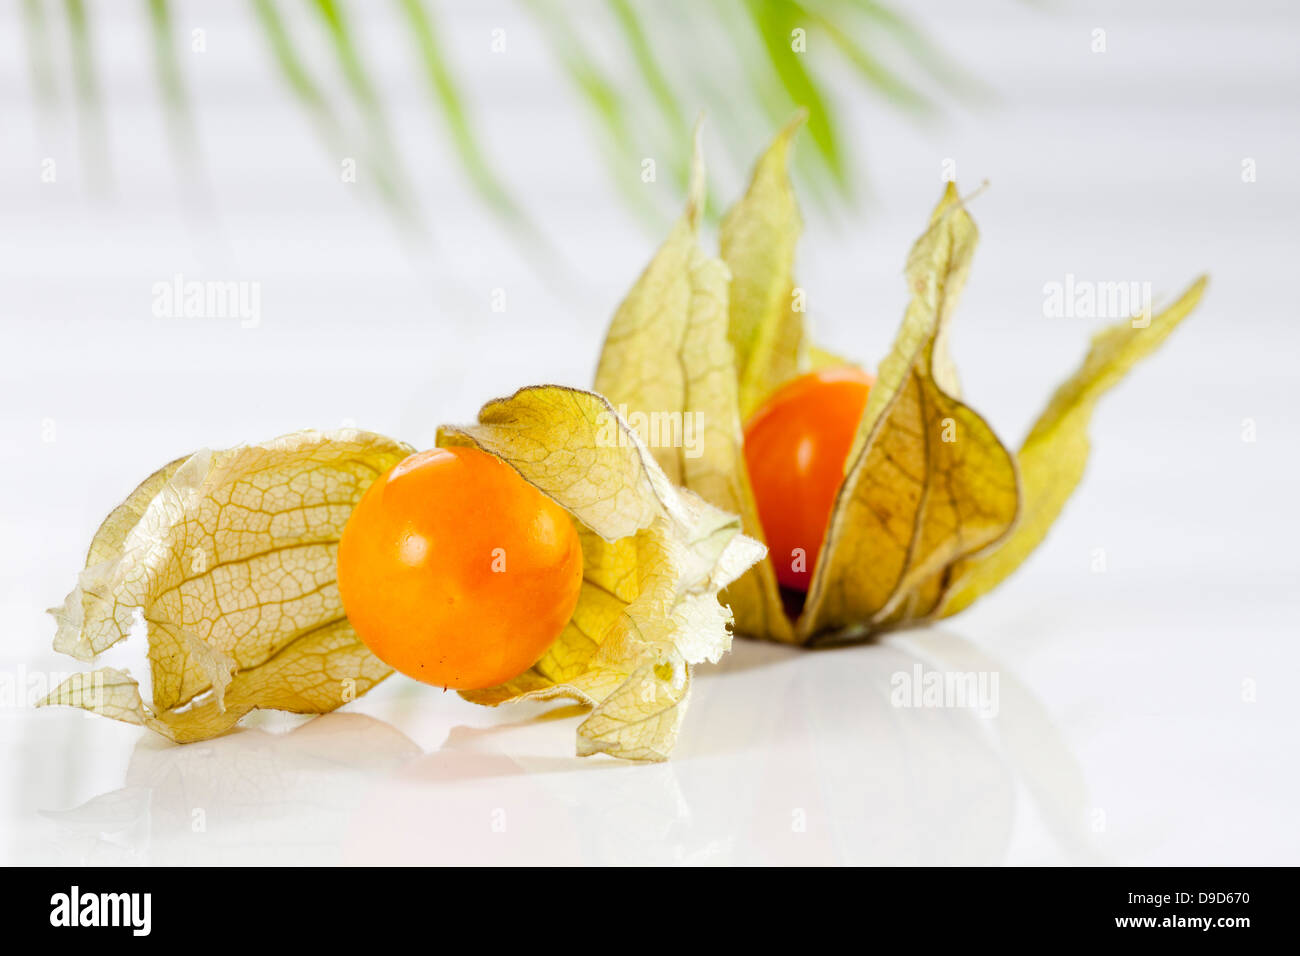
{"points": [[654, 559], [1055, 452], [929, 516], [668, 358], [927, 483], [229, 556], [757, 240]]}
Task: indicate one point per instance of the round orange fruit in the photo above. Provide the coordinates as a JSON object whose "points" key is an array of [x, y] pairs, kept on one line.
{"points": [[456, 571], [796, 444]]}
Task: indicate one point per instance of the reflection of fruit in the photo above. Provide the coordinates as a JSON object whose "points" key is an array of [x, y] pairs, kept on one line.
{"points": [[795, 448], [457, 571], [456, 807]]}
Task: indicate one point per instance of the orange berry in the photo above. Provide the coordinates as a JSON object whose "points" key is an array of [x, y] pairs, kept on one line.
{"points": [[456, 571], [796, 444]]}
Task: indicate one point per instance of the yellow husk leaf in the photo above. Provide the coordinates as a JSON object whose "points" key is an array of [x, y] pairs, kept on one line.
{"points": [[667, 358], [930, 515], [928, 483], [230, 558], [757, 242], [1054, 454], [654, 558]]}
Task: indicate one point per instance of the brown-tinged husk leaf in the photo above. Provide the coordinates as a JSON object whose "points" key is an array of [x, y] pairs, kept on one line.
{"points": [[928, 483], [1055, 452], [930, 515]]}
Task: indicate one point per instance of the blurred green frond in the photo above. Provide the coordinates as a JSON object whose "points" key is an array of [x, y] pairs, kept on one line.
{"points": [[39, 53], [677, 126], [603, 99], [170, 79], [913, 42], [447, 94], [872, 71], [310, 95], [90, 112], [776, 22], [387, 165], [642, 71]]}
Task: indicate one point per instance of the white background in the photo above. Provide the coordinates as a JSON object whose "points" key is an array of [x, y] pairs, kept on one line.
{"points": [[1145, 714]]}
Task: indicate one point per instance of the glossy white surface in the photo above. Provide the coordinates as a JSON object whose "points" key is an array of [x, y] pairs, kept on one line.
{"points": [[1144, 713]]}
